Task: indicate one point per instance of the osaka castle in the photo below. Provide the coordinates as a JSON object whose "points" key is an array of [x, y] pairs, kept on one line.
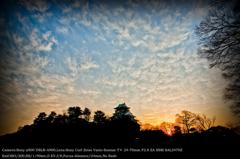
{"points": [[122, 110]]}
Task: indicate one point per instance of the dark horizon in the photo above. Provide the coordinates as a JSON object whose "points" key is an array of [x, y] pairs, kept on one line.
{"points": [[202, 122], [120, 131]]}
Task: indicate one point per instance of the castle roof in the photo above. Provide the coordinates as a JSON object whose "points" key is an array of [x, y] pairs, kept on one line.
{"points": [[122, 106]]}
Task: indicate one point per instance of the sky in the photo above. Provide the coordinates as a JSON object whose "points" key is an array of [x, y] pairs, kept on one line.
{"points": [[97, 54]]}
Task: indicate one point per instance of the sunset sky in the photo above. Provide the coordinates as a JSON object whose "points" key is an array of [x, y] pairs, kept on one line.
{"points": [[98, 54]]}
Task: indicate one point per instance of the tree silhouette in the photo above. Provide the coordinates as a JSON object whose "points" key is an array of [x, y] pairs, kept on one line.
{"points": [[187, 120], [177, 130], [87, 114], [192, 122], [40, 118], [51, 117], [99, 117], [204, 122], [74, 112], [122, 129], [219, 35], [60, 119]]}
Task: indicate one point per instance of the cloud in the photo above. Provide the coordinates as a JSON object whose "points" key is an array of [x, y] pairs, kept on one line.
{"points": [[46, 35], [63, 30], [72, 65], [90, 92], [40, 6], [44, 43], [79, 66], [88, 64], [141, 31]]}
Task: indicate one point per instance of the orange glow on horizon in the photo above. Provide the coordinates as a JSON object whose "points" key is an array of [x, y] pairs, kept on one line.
{"points": [[147, 121], [167, 129]]}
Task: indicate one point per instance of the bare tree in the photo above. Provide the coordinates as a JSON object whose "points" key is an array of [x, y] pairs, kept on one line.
{"points": [[193, 122], [204, 122], [219, 35], [187, 120]]}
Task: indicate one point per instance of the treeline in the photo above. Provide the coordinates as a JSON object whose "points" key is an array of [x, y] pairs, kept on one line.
{"points": [[75, 127], [79, 127], [185, 122]]}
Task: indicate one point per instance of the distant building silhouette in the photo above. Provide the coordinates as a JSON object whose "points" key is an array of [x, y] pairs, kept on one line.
{"points": [[121, 111]]}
